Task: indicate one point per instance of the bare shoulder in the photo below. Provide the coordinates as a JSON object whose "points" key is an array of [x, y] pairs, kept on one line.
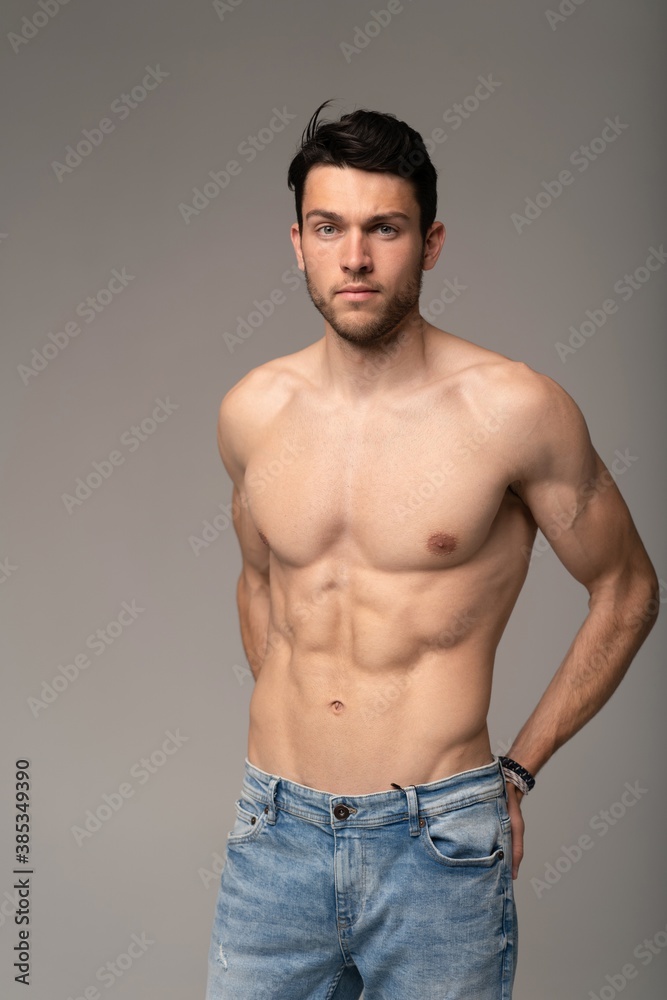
{"points": [[536, 405], [266, 388], [544, 429], [527, 396], [248, 408], [541, 423]]}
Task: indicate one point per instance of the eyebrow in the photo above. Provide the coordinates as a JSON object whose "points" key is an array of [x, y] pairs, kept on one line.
{"points": [[335, 217]]}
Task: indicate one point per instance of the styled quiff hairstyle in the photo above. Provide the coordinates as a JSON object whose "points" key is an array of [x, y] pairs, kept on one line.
{"points": [[367, 140]]}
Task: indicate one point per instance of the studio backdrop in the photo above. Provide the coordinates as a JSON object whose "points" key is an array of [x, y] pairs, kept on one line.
{"points": [[146, 266]]}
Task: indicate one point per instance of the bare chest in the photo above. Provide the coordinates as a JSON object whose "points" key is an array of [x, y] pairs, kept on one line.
{"points": [[406, 489]]}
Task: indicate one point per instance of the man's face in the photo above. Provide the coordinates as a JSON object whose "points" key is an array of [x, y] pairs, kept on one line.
{"points": [[361, 230]]}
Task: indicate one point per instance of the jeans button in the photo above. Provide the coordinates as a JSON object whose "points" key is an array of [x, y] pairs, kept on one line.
{"points": [[341, 812]]}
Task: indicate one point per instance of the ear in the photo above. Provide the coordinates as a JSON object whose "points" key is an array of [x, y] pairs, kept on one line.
{"points": [[295, 236], [435, 238]]}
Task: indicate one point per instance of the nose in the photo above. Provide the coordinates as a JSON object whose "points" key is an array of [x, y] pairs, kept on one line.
{"points": [[355, 254]]}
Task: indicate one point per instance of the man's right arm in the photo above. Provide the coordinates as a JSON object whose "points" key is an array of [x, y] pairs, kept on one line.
{"points": [[253, 596], [252, 592]]}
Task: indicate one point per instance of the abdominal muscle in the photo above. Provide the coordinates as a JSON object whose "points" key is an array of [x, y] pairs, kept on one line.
{"points": [[357, 692]]}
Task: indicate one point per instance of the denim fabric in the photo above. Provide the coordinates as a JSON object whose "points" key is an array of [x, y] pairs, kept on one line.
{"points": [[401, 893]]}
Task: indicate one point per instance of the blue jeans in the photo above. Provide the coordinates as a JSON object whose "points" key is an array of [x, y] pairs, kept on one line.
{"points": [[402, 893]]}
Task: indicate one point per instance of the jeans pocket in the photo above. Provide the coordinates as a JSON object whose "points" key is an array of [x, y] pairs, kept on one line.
{"points": [[250, 820], [469, 836]]}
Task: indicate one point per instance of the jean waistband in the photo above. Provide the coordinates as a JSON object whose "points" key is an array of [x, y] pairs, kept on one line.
{"points": [[376, 808]]}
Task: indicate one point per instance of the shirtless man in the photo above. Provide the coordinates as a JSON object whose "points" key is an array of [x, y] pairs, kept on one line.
{"points": [[389, 480]]}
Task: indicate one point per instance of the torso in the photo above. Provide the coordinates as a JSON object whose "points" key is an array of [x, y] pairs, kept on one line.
{"points": [[398, 550]]}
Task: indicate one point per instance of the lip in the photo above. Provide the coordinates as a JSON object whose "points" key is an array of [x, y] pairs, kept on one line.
{"points": [[357, 296]]}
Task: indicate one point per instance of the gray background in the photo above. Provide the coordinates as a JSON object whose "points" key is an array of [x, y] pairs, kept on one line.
{"points": [[180, 665]]}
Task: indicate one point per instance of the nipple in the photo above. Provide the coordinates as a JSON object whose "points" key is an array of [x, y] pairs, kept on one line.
{"points": [[441, 543]]}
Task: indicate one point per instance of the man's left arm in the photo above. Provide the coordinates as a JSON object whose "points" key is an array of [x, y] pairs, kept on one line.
{"points": [[578, 507]]}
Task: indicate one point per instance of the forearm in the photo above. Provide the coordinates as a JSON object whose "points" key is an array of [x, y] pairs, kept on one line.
{"points": [[596, 662], [254, 606]]}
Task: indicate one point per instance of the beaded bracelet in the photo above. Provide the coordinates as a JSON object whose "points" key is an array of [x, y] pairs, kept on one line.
{"points": [[510, 767]]}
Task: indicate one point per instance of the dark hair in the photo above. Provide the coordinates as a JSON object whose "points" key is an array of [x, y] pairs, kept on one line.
{"points": [[367, 140]]}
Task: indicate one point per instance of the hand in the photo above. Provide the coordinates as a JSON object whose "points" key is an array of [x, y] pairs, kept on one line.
{"points": [[514, 797]]}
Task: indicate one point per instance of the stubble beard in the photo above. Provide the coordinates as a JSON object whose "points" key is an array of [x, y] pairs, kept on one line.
{"points": [[381, 327]]}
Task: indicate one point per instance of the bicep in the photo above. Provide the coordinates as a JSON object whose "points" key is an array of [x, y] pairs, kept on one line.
{"points": [[574, 499], [232, 435]]}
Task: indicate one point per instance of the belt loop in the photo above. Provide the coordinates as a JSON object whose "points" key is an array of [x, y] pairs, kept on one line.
{"points": [[413, 809], [273, 784]]}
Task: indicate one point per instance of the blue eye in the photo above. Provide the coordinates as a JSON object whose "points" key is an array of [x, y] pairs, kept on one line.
{"points": [[392, 231]]}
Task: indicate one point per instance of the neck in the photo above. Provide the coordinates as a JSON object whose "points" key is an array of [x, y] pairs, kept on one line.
{"points": [[361, 372]]}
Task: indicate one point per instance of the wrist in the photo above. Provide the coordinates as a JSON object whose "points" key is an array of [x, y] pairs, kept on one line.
{"points": [[517, 774]]}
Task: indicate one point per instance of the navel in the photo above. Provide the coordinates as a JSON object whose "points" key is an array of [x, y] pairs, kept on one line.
{"points": [[337, 706], [441, 543]]}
